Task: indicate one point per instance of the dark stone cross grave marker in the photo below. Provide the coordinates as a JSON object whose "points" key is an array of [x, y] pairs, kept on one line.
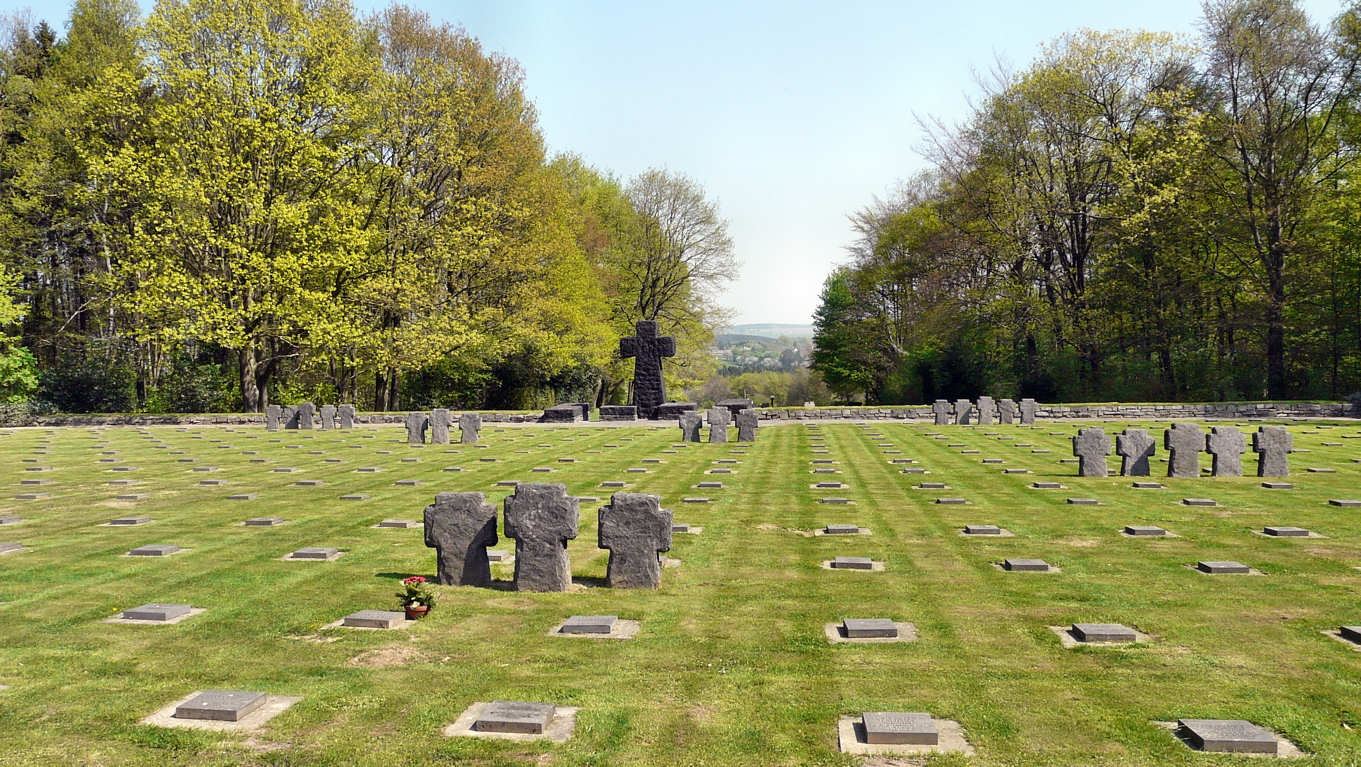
{"points": [[963, 408], [941, 410], [1091, 447], [1272, 445], [986, 408], [1227, 446], [647, 350], [1006, 411], [440, 421], [1183, 441], [635, 529], [1135, 447], [541, 518], [460, 527]]}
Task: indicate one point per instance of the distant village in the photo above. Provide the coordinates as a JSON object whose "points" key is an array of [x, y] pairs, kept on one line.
{"points": [[758, 348]]}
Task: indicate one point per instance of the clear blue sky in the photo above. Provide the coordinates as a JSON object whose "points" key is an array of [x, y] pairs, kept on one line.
{"points": [[790, 114]]}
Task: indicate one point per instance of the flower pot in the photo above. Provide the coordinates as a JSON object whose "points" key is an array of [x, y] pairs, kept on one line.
{"points": [[416, 612]]}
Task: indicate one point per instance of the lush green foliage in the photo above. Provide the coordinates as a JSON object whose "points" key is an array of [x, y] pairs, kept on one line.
{"points": [[326, 206], [1131, 217]]}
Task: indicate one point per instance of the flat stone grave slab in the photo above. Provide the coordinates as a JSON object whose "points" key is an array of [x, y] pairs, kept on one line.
{"points": [[703, 485], [1284, 531], [131, 497], [617, 483], [1144, 531], [1084, 502], [1320, 470], [841, 530], [128, 521], [286, 470], [33, 482], [314, 553], [851, 739], [248, 722], [930, 486], [869, 628], [1228, 736], [836, 501], [399, 523], [1222, 567], [10, 547], [10, 520], [993, 461], [221, 705], [1198, 502], [511, 483], [992, 530], [1015, 471], [212, 482], [826, 471], [155, 550], [1027, 565], [308, 483], [1350, 633], [374, 619], [264, 522], [366, 469], [1146, 486], [515, 721], [952, 501], [900, 728], [243, 497], [1045, 486], [1102, 632], [694, 500], [157, 612], [914, 471], [827, 485], [853, 563], [407, 483], [1278, 486], [588, 624], [1346, 503]]}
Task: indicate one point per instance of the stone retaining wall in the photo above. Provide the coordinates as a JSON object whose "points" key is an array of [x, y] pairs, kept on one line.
{"points": [[1156, 411]]}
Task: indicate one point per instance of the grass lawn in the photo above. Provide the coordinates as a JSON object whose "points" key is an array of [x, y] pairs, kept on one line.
{"points": [[731, 665]]}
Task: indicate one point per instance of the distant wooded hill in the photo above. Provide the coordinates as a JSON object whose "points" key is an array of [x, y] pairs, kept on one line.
{"points": [[766, 330]]}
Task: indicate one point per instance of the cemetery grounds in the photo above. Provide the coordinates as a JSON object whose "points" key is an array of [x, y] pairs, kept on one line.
{"points": [[731, 665]]}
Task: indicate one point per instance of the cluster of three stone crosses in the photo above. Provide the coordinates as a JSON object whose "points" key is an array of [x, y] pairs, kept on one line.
{"points": [[541, 517], [1184, 443]]}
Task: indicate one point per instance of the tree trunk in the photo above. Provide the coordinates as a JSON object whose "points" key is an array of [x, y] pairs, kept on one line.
{"points": [[380, 392], [250, 392], [1275, 319]]}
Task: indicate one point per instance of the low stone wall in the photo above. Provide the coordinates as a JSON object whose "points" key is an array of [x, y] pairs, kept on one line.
{"points": [[1155, 411]]}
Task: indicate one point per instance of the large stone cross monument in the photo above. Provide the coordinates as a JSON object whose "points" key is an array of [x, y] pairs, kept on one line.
{"points": [[647, 350]]}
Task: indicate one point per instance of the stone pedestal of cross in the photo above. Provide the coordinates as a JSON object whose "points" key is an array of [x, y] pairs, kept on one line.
{"points": [[541, 517], [328, 417], [1227, 445], [986, 408], [469, 424], [460, 527], [647, 350], [690, 424], [1272, 445], [963, 408], [747, 423], [1028, 408], [718, 424], [273, 417], [439, 426], [346, 414], [635, 529], [1091, 446], [1135, 447], [941, 410], [416, 424], [1006, 411], [1183, 441]]}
